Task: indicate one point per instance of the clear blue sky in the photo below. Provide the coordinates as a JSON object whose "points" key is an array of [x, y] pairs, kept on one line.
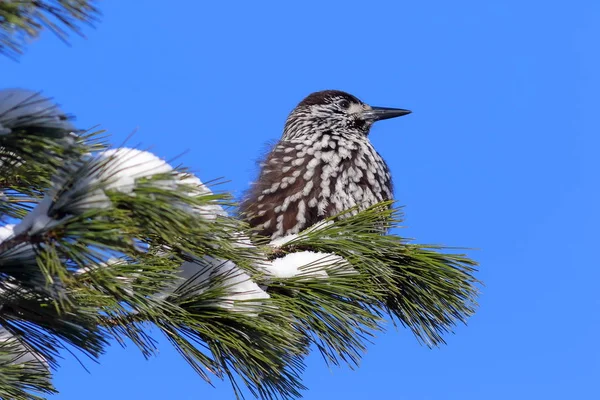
{"points": [[500, 154]]}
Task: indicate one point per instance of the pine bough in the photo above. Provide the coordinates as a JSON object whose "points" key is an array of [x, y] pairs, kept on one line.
{"points": [[97, 245]]}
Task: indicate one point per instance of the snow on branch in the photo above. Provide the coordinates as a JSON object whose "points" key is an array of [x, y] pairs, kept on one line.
{"points": [[20, 108], [234, 284], [7, 232], [308, 264], [19, 354], [84, 186]]}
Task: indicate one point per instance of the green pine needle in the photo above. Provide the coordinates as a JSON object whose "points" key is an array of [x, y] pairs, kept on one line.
{"points": [[108, 270], [23, 20]]}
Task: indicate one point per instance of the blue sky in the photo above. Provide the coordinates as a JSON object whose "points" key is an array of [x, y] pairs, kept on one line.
{"points": [[500, 154]]}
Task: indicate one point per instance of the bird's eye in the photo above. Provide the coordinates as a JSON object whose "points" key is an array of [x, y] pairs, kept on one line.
{"points": [[345, 104]]}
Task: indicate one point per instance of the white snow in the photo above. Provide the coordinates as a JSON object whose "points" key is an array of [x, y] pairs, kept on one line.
{"points": [[24, 253], [20, 107], [126, 165], [24, 250], [119, 169], [307, 264], [6, 231], [209, 211], [22, 354], [116, 169], [37, 220], [236, 283]]}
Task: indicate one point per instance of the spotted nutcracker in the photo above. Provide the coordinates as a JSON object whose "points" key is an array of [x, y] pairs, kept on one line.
{"points": [[323, 164]]}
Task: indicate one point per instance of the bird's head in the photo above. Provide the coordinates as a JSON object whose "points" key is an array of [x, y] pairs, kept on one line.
{"points": [[335, 112]]}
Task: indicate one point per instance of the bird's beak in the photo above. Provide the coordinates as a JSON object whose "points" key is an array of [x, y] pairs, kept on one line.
{"points": [[380, 113]]}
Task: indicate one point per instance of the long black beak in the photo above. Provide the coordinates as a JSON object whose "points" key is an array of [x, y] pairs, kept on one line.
{"points": [[380, 113]]}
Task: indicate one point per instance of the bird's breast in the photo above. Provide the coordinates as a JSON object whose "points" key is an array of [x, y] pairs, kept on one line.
{"points": [[304, 181]]}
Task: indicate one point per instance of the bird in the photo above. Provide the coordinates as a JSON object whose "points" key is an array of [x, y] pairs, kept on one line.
{"points": [[322, 165]]}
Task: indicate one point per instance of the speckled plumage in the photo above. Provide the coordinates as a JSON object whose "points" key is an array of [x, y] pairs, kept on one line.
{"points": [[323, 164]]}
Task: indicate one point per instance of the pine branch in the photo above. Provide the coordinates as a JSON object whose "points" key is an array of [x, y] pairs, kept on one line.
{"points": [[119, 241], [21, 21], [426, 290], [21, 375], [157, 223], [90, 212]]}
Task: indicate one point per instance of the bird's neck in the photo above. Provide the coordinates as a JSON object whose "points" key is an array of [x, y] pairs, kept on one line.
{"points": [[308, 134]]}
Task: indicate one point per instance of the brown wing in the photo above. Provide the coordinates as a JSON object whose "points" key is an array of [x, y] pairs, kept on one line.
{"points": [[277, 203]]}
